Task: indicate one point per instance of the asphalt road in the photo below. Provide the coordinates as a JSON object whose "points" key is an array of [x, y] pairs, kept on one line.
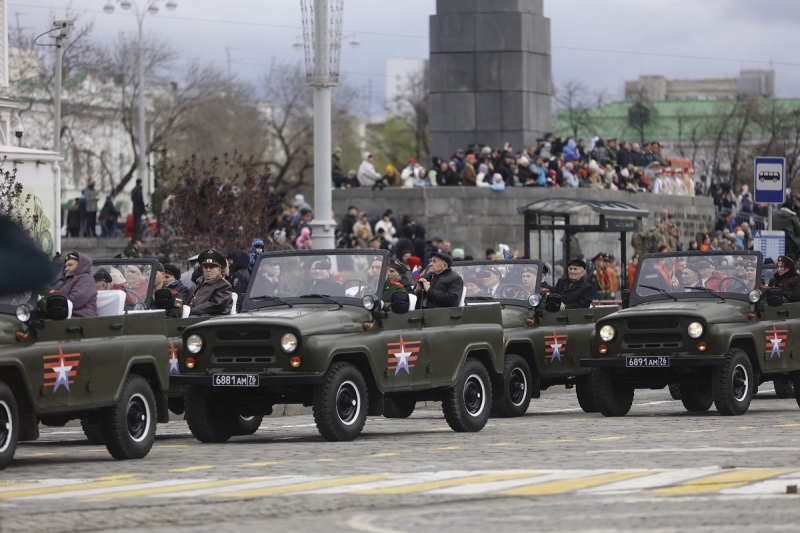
{"points": [[556, 469]]}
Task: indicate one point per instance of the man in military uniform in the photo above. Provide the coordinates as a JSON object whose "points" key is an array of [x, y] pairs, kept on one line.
{"points": [[392, 284], [176, 308], [528, 277], [213, 294], [132, 250], [603, 279]]}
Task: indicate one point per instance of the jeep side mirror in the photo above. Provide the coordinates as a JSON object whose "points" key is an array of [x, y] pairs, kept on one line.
{"points": [[400, 302], [57, 307], [162, 299], [553, 303], [626, 298], [774, 297]]}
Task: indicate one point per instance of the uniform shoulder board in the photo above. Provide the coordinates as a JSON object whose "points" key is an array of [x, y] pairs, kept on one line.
{"points": [[396, 284]]}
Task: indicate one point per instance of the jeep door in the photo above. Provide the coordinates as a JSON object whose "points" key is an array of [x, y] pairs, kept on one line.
{"points": [[406, 352], [65, 373], [554, 341], [776, 332]]}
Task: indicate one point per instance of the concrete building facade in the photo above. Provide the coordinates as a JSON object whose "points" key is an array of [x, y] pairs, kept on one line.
{"points": [[491, 78], [749, 84]]}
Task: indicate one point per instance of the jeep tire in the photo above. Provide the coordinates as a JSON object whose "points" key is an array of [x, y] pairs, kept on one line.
{"points": [[513, 397], [129, 427], [207, 422], [399, 405], [246, 425], [732, 384], [675, 390], [9, 425], [93, 429], [468, 404], [612, 399], [341, 403], [585, 393], [784, 388], [696, 397]]}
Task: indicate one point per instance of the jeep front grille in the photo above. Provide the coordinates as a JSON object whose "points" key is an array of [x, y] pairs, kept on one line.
{"points": [[253, 354], [653, 324], [659, 340], [246, 335]]}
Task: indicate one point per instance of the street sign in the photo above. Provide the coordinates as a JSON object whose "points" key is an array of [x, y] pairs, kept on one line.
{"points": [[769, 243], [770, 180]]}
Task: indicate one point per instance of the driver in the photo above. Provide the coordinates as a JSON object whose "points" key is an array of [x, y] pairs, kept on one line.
{"points": [[741, 266], [787, 278], [392, 284], [529, 279], [575, 291], [213, 294], [79, 286], [322, 282], [750, 271]]}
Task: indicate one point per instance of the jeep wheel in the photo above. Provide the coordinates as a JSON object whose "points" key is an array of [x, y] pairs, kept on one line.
{"points": [[93, 429], [784, 388], [9, 425], [468, 404], [514, 396], [129, 427], [341, 403], [612, 399], [399, 406], [733, 384], [696, 397], [583, 388], [206, 420], [247, 425], [675, 391]]}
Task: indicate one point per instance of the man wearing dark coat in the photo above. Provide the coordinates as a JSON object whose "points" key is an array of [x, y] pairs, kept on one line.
{"points": [[137, 198], [213, 294], [440, 286], [787, 278], [322, 282], [575, 291]]}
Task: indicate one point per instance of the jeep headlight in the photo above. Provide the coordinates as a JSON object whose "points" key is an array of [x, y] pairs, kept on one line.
{"points": [[534, 300], [607, 333], [754, 296], [289, 343], [194, 343], [23, 313], [368, 301], [695, 330]]}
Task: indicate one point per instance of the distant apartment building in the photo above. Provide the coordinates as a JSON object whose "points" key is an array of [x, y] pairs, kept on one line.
{"points": [[749, 84]]}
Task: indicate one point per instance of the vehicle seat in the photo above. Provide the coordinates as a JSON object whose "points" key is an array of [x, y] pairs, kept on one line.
{"points": [[235, 298], [463, 297], [186, 311], [110, 303], [69, 308], [412, 301]]}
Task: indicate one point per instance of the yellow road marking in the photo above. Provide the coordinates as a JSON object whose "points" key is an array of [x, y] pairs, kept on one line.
{"points": [[300, 487], [189, 469], [388, 454], [431, 485], [499, 444], [577, 419], [97, 450], [449, 448], [439, 429], [264, 463], [42, 454], [65, 488], [557, 440], [786, 425], [699, 430], [171, 446], [725, 481], [116, 476], [177, 488], [566, 485], [327, 460], [609, 438], [746, 427]]}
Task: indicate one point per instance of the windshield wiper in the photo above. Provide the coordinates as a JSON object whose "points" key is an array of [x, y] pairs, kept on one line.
{"points": [[323, 296], [706, 289], [657, 289], [273, 298]]}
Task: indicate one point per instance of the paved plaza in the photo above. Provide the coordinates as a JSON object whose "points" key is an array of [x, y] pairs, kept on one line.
{"points": [[556, 469]]}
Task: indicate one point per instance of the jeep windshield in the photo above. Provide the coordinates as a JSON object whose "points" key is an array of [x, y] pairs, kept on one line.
{"points": [[316, 276], [134, 277], [717, 275], [509, 282], [10, 302]]}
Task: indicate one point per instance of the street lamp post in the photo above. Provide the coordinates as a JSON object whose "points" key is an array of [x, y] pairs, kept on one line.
{"points": [[151, 8], [322, 38]]}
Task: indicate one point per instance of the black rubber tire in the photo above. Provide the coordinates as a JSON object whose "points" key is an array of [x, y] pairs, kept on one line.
{"points": [[9, 425], [468, 404], [675, 391], [399, 406], [177, 404], [612, 399], [246, 425], [341, 403], [585, 393], [206, 421], [93, 429], [696, 397], [732, 384], [129, 427], [513, 398], [784, 388]]}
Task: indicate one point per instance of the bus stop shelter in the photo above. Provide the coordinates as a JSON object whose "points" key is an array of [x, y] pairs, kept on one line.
{"points": [[550, 226]]}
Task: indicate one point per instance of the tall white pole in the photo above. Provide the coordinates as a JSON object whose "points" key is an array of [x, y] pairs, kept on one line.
{"points": [[57, 99], [322, 225], [142, 166]]}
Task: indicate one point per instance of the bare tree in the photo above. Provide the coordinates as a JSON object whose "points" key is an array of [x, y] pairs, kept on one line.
{"points": [[576, 101], [410, 108]]}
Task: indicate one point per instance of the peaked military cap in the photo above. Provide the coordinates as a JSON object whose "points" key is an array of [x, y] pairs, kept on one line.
{"points": [[213, 258]]}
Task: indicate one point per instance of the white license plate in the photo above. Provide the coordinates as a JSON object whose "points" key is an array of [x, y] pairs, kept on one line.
{"points": [[235, 380], [647, 361]]}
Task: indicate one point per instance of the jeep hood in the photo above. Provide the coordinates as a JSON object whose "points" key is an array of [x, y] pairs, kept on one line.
{"points": [[308, 320], [711, 310]]}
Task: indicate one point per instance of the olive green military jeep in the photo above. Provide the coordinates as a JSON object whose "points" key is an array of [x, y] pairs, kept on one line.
{"points": [[701, 321], [313, 331], [109, 371], [543, 344]]}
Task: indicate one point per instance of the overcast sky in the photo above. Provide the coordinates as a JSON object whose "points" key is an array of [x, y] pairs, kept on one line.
{"points": [[714, 38]]}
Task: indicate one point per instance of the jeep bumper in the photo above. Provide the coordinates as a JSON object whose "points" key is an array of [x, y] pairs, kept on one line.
{"points": [[264, 380], [620, 362]]}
